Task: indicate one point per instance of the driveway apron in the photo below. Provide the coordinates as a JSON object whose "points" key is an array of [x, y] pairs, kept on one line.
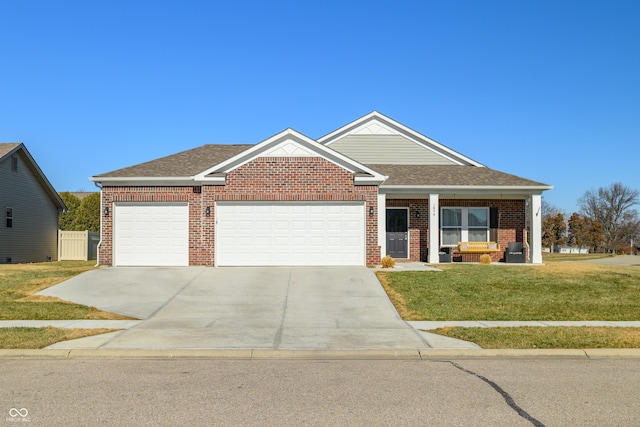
{"points": [[292, 308]]}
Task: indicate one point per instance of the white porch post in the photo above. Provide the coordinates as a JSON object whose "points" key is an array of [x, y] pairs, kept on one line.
{"points": [[536, 228], [434, 230], [382, 224]]}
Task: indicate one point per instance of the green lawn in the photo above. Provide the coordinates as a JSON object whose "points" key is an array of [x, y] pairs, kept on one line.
{"points": [[24, 338], [18, 285], [557, 291], [560, 290], [20, 282], [547, 337]]}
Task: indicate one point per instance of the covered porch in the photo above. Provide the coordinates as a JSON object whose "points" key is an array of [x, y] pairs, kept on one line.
{"points": [[418, 225]]}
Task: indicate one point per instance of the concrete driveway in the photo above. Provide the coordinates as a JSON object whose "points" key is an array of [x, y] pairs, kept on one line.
{"points": [[624, 260], [292, 308]]}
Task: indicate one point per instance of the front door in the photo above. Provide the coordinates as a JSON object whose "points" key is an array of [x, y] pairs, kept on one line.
{"points": [[397, 236]]}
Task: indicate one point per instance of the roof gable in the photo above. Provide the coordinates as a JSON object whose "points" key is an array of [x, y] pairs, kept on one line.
{"points": [[8, 149], [375, 138], [290, 143]]}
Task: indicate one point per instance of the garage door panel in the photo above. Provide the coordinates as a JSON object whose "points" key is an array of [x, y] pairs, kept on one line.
{"points": [[290, 233], [151, 234]]}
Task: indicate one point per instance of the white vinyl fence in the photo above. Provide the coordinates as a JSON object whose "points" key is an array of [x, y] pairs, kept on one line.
{"points": [[77, 245]]}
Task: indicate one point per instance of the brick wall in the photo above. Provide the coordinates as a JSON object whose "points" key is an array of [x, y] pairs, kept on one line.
{"points": [[263, 179]]}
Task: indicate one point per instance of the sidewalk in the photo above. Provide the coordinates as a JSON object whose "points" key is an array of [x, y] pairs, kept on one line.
{"points": [[432, 341]]}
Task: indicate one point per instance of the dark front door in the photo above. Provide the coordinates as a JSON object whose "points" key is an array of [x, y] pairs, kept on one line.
{"points": [[397, 237]]}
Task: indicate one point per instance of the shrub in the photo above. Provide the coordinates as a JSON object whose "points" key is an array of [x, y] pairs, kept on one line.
{"points": [[485, 259], [388, 262]]}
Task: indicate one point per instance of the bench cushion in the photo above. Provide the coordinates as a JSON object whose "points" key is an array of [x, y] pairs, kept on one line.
{"points": [[478, 247]]}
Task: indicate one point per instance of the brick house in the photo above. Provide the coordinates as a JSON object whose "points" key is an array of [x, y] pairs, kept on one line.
{"points": [[371, 188]]}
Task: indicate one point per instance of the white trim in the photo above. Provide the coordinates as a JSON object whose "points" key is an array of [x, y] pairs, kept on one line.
{"points": [[155, 181], [405, 131], [382, 224], [468, 189], [536, 228], [434, 229]]}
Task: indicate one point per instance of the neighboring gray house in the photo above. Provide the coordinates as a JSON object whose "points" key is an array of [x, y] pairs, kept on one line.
{"points": [[30, 208]]}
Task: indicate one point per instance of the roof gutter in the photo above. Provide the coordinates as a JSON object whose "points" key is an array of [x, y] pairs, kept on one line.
{"points": [[464, 189]]}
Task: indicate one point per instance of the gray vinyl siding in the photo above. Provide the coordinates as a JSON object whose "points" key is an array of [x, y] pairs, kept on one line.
{"points": [[387, 149], [34, 235]]}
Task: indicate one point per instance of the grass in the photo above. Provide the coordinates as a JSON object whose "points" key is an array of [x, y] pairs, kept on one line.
{"points": [[18, 301], [20, 282], [557, 291], [27, 338], [547, 337]]}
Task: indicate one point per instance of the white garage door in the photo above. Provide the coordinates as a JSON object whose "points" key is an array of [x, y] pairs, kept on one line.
{"points": [[290, 233], [151, 234]]}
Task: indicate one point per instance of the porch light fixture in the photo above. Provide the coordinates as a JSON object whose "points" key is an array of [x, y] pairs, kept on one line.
{"points": [[417, 214], [371, 210], [207, 211], [106, 211]]}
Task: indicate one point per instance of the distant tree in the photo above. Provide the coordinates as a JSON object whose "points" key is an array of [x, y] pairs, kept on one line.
{"points": [[549, 210], [87, 215], [554, 231], [65, 219], [583, 231], [629, 232], [612, 207]]}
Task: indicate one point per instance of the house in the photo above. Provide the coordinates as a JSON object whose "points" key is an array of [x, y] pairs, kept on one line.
{"points": [[370, 188], [30, 208]]}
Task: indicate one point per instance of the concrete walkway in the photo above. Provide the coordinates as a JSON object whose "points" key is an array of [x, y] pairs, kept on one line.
{"points": [[431, 341]]}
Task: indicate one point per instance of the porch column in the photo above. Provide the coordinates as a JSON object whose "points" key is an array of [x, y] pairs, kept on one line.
{"points": [[536, 228], [382, 224], [434, 230]]}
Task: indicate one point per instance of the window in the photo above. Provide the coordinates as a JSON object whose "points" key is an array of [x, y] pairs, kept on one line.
{"points": [[14, 164], [9, 217], [464, 225]]}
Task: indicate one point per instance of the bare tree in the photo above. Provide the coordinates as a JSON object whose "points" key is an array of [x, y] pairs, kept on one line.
{"points": [[612, 207], [549, 210]]}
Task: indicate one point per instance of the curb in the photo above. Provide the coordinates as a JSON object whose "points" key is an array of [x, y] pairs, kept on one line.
{"points": [[268, 354]]}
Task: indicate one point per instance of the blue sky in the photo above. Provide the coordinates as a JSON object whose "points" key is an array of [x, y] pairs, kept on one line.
{"points": [[547, 90]]}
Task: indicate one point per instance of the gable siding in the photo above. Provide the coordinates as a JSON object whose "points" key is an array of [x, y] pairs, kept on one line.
{"points": [[33, 237], [387, 149]]}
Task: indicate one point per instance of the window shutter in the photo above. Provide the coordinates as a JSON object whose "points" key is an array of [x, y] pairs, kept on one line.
{"points": [[493, 224]]}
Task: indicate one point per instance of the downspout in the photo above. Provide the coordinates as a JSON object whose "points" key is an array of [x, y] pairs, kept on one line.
{"points": [[97, 184]]}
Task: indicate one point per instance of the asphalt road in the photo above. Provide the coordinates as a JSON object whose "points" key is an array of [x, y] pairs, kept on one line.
{"points": [[496, 392]]}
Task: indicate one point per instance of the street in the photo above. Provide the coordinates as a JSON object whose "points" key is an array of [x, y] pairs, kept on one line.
{"points": [[471, 392]]}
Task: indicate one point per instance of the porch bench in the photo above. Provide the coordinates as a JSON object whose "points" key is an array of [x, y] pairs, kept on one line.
{"points": [[478, 247]]}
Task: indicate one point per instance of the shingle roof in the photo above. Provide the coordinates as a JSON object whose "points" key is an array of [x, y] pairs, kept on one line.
{"points": [[185, 163], [440, 175], [191, 162], [7, 147]]}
